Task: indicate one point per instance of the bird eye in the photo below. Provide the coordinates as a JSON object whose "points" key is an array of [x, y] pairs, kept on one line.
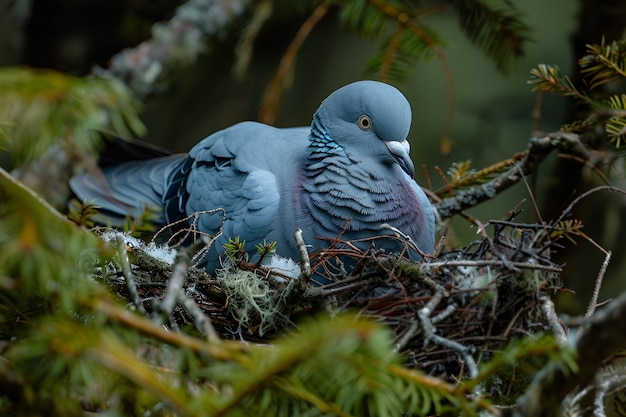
{"points": [[365, 122]]}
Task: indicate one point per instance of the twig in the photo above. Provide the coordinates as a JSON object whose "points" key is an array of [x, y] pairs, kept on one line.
{"points": [[486, 262], [602, 389], [571, 403], [188, 227], [530, 194], [201, 321], [414, 329], [444, 314], [547, 306], [304, 255], [411, 332], [175, 294], [588, 164], [424, 315], [174, 286], [404, 237], [593, 303], [128, 275], [569, 208]]}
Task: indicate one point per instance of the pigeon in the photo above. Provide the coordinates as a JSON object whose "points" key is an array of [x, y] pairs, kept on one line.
{"points": [[347, 177]]}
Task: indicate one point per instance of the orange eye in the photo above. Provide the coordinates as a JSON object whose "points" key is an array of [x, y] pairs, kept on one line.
{"points": [[365, 122]]}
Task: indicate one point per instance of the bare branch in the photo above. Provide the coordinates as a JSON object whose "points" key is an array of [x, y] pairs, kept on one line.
{"points": [[128, 275]]}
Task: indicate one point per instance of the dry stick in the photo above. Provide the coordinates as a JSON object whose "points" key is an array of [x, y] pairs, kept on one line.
{"points": [[175, 294], [128, 274], [496, 262], [179, 273], [607, 382], [304, 255], [588, 164], [168, 302], [424, 315], [593, 303], [571, 401], [412, 331], [568, 209], [201, 321], [530, 194], [602, 389], [547, 306]]}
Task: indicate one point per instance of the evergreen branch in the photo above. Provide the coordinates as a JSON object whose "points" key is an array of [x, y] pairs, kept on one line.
{"points": [[549, 78], [45, 108], [499, 32], [417, 42], [461, 176], [343, 367], [615, 126], [530, 350], [38, 246], [403, 18], [454, 393], [294, 390], [400, 52], [109, 352], [82, 213], [391, 49], [409, 42], [604, 63], [223, 351], [368, 18]]}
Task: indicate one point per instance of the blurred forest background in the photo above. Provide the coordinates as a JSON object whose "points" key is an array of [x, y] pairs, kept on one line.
{"points": [[486, 116]]}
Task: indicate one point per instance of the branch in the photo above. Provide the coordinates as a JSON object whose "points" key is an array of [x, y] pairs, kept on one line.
{"points": [[538, 150], [601, 336], [174, 44], [128, 275]]}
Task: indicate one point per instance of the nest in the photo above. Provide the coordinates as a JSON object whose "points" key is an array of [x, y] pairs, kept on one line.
{"points": [[448, 311]]}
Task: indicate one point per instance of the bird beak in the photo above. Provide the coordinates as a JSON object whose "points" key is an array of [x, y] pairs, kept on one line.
{"points": [[400, 152]]}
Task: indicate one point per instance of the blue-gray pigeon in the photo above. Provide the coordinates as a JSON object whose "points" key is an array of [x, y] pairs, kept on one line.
{"points": [[345, 175]]}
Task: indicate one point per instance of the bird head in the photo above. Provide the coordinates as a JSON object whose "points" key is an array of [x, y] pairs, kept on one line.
{"points": [[367, 120]]}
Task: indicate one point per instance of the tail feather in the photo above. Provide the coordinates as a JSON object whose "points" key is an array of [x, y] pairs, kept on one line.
{"points": [[124, 190]]}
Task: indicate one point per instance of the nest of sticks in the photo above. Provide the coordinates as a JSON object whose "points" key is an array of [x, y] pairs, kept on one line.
{"points": [[447, 311]]}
